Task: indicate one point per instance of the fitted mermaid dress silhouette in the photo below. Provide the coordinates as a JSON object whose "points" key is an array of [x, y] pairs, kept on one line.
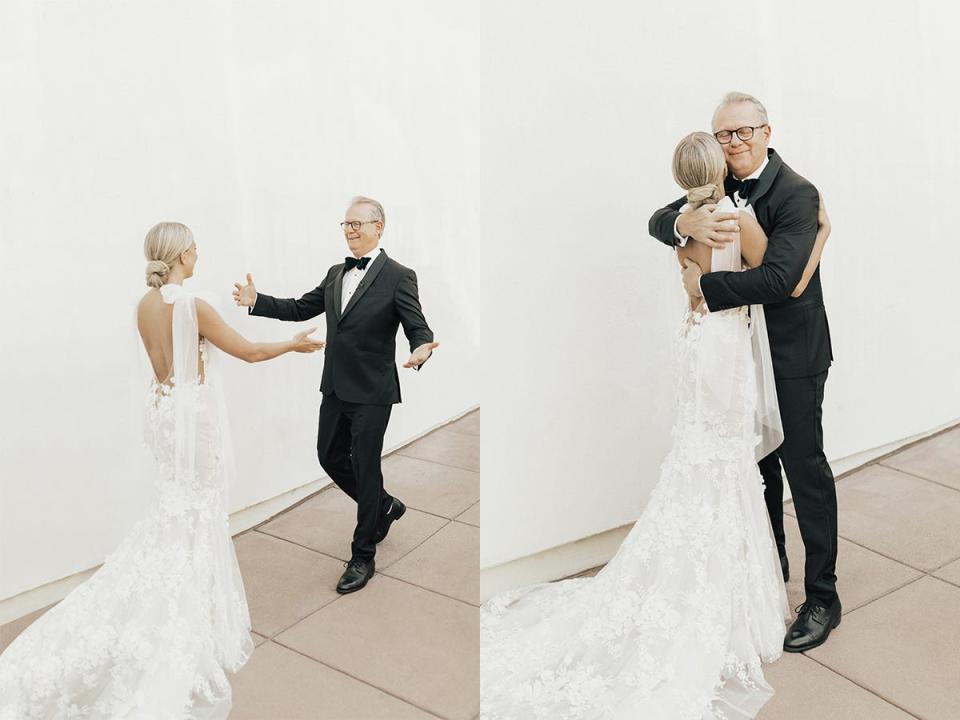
{"points": [[152, 634], [677, 624]]}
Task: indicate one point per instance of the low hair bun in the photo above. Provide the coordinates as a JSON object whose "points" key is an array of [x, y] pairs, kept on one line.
{"points": [[697, 195], [157, 271], [162, 248]]}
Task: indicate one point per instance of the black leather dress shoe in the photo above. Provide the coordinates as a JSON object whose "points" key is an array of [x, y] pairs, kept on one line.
{"points": [[355, 576], [785, 566], [394, 513], [812, 626]]}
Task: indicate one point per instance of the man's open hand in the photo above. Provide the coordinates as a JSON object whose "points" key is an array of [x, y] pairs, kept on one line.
{"points": [[421, 354], [245, 295]]}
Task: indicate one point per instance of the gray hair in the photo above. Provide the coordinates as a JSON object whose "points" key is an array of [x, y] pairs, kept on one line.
{"points": [[732, 98], [377, 207]]}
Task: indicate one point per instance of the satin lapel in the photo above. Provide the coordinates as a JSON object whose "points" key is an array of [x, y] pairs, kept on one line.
{"points": [[338, 292], [769, 174], [367, 281]]}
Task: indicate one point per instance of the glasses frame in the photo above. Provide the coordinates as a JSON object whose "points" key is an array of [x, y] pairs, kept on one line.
{"points": [[355, 225], [738, 131]]}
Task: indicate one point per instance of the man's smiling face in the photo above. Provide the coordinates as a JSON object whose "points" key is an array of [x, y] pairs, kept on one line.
{"points": [[743, 156]]}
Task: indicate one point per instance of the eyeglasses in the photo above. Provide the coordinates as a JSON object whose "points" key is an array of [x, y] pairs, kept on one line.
{"points": [[355, 224], [744, 133]]}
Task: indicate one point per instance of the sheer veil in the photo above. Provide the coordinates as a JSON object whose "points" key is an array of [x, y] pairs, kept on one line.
{"points": [[767, 424]]}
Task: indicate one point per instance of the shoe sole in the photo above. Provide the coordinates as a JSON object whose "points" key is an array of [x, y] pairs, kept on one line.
{"points": [[811, 646]]}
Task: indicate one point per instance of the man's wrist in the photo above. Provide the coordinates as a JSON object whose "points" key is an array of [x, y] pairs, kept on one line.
{"points": [[681, 239]]}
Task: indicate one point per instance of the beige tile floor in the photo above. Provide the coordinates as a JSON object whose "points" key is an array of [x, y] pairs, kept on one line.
{"points": [[407, 645], [896, 655]]}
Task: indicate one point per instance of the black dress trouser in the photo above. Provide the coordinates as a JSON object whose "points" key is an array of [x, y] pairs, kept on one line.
{"points": [[811, 482], [349, 445]]}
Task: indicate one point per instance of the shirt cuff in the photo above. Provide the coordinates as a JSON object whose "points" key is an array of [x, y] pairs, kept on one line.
{"points": [[700, 286], [681, 240], [250, 309]]}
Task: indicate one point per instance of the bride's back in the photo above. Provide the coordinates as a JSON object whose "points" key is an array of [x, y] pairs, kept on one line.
{"points": [[155, 325]]}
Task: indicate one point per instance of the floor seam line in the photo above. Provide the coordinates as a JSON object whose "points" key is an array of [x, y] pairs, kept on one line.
{"points": [[862, 687], [876, 552], [382, 572], [435, 462], [358, 679], [918, 477]]}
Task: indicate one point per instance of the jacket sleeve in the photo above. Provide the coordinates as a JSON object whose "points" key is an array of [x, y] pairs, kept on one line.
{"points": [[788, 249], [303, 308], [407, 303], [663, 220]]}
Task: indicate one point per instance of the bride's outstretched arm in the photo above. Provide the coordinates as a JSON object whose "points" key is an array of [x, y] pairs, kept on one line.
{"points": [[214, 329], [823, 232]]}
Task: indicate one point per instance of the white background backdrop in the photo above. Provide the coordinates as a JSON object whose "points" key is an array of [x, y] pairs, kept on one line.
{"points": [[253, 123], [576, 425]]}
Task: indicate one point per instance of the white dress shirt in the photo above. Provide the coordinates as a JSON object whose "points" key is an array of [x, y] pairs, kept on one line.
{"points": [[353, 277]]}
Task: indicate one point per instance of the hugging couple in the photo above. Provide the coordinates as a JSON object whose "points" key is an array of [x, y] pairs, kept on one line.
{"points": [[678, 623]]}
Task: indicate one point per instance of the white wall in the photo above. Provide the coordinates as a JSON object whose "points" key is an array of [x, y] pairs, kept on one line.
{"points": [[254, 123], [576, 424]]}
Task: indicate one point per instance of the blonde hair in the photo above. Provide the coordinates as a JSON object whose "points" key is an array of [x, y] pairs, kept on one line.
{"points": [[162, 247], [377, 207], [698, 166]]}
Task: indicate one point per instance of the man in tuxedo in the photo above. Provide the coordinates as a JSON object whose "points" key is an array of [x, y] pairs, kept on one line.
{"points": [[366, 299], [787, 207]]}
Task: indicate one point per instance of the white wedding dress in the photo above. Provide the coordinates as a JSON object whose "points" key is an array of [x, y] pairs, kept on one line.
{"points": [[676, 625], [150, 635]]}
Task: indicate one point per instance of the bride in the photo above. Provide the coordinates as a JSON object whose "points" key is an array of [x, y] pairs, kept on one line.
{"points": [[677, 624], [152, 633]]}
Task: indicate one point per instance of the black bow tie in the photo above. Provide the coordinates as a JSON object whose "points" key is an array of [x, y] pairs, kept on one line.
{"points": [[351, 262], [744, 187]]}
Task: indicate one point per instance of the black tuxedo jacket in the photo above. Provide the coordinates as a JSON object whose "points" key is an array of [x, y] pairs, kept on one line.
{"points": [[360, 356], [786, 206]]}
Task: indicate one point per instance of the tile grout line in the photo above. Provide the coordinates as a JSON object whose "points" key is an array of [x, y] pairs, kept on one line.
{"points": [[888, 557], [918, 477], [435, 462], [354, 677], [382, 572], [862, 687]]}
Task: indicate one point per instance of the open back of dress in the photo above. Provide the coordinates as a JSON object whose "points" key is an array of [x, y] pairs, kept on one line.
{"points": [[152, 633]]}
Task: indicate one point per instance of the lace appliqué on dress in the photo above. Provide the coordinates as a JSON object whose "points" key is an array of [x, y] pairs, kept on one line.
{"points": [[152, 632], [675, 627]]}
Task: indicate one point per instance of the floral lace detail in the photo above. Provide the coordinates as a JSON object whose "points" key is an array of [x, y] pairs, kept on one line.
{"points": [[676, 625], [152, 632]]}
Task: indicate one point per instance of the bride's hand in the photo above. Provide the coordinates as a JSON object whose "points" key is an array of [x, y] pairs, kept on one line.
{"points": [[304, 344], [245, 295]]}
